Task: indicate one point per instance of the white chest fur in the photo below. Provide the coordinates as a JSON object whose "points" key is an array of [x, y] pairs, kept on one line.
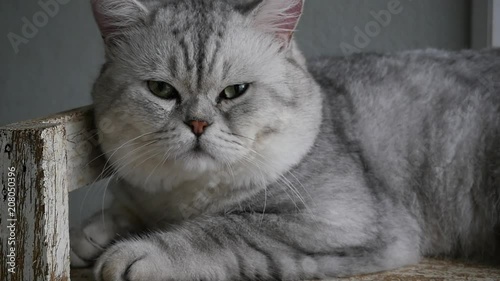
{"points": [[172, 199]]}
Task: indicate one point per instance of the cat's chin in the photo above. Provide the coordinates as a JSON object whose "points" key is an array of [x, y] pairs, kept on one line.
{"points": [[198, 160]]}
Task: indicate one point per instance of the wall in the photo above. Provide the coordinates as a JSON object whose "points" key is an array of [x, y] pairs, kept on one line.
{"points": [[485, 24], [55, 70], [495, 32], [418, 24]]}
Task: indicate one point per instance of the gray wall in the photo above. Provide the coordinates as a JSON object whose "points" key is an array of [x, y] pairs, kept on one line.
{"points": [[417, 24], [55, 69]]}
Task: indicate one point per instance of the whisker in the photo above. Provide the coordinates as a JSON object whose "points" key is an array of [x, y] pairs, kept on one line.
{"points": [[103, 201], [108, 172], [249, 160], [107, 161], [153, 152], [237, 135], [112, 150], [287, 182], [165, 157], [108, 168]]}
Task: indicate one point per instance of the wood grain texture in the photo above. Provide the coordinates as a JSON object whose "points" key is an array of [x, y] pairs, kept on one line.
{"points": [[52, 156], [435, 270], [84, 162], [427, 270], [39, 217]]}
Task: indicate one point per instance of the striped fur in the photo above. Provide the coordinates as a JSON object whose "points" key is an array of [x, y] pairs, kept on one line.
{"points": [[326, 169]]}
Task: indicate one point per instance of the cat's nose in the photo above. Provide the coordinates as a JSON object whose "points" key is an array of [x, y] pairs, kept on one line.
{"points": [[198, 126]]}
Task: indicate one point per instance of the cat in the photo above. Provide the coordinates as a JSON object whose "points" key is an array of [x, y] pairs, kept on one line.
{"points": [[236, 159]]}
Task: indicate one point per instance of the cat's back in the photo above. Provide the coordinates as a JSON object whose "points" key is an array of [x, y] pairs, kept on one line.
{"points": [[428, 125], [419, 68], [411, 93], [388, 101]]}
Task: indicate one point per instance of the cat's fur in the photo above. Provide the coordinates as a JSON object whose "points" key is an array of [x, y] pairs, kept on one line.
{"points": [[336, 167]]}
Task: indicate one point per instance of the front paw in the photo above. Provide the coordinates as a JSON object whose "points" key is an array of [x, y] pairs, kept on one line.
{"points": [[169, 258], [134, 260], [89, 242], [86, 245]]}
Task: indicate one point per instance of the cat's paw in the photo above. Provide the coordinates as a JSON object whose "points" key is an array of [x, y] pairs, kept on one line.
{"points": [[83, 250], [144, 259], [133, 260], [89, 242]]}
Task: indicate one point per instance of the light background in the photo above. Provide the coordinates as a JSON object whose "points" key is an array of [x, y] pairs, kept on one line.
{"points": [[55, 70]]}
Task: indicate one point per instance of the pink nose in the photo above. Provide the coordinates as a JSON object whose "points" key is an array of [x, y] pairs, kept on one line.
{"points": [[198, 127]]}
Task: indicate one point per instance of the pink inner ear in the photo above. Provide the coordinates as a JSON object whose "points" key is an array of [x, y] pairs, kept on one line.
{"points": [[289, 23], [102, 21], [114, 15]]}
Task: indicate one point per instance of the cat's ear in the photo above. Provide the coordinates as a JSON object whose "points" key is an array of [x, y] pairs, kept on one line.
{"points": [[279, 16], [112, 16]]}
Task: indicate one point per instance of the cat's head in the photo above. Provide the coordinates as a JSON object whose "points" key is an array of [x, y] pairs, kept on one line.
{"points": [[203, 86]]}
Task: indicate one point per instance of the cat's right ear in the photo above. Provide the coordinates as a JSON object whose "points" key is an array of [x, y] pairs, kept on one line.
{"points": [[112, 16]]}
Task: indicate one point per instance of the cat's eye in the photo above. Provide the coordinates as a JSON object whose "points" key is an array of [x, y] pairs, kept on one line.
{"points": [[163, 90], [234, 91]]}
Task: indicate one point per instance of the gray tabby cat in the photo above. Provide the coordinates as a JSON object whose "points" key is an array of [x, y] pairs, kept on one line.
{"points": [[236, 160]]}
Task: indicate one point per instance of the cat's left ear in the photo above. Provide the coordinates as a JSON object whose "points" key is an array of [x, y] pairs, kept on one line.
{"points": [[278, 16]]}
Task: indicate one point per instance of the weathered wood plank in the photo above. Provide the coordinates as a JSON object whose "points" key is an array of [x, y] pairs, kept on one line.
{"points": [[42, 160], [84, 159], [34, 237]]}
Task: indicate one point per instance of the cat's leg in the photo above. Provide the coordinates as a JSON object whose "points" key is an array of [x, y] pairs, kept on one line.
{"points": [[259, 247], [89, 241]]}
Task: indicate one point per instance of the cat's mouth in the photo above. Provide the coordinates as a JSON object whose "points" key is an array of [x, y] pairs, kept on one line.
{"points": [[198, 150]]}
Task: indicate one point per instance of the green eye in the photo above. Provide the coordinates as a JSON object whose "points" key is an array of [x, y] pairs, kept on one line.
{"points": [[163, 90], [234, 91]]}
